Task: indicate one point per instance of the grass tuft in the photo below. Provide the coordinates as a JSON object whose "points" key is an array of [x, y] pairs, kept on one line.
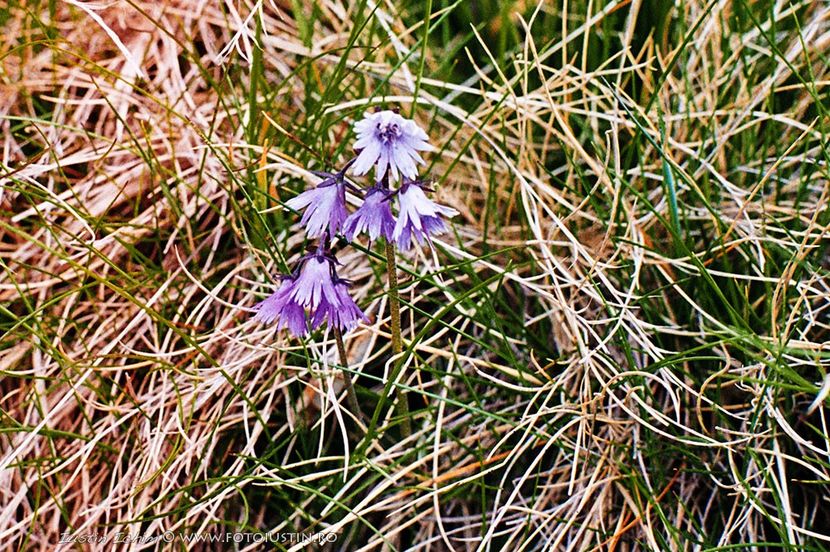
{"points": [[618, 346]]}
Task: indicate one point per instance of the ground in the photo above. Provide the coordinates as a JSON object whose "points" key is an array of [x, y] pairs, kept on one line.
{"points": [[619, 345]]}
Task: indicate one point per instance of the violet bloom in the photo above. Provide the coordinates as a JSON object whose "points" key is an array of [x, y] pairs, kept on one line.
{"points": [[373, 217], [345, 316], [279, 307], [306, 289], [418, 216], [391, 141], [325, 205], [315, 288], [315, 282]]}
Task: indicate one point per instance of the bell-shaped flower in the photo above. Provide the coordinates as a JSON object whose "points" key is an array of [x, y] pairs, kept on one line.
{"points": [[325, 205], [390, 141], [418, 216], [306, 289], [373, 217], [279, 307], [314, 288], [315, 282], [345, 316]]}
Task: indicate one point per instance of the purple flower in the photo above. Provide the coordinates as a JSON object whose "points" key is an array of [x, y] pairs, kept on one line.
{"points": [[315, 282], [279, 307], [391, 141], [418, 216], [315, 288], [373, 217], [305, 289], [345, 316], [325, 205]]}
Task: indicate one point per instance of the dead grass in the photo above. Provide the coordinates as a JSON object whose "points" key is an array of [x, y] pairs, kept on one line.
{"points": [[616, 349]]}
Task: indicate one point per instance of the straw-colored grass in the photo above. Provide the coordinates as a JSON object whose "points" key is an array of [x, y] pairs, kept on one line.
{"points": [[616, 348]]}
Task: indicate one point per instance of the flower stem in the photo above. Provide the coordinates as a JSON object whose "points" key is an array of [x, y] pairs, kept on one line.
{"points": [[351, 395], [397, 340]]}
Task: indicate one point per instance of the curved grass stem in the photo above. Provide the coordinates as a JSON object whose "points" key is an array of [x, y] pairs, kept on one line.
{"points": [[351, 395]]}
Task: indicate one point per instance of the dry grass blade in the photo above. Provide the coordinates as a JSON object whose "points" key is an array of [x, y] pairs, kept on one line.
{"points": [[621, 345]]}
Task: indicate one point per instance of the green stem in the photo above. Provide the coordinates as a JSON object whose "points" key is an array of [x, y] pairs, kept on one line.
{"points": [[423, 57], [351, 395], [397, 340], [256, 74]]}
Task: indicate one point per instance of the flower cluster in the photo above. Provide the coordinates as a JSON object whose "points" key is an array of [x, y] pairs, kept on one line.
{"points": [[313, 292], [315, 287]]}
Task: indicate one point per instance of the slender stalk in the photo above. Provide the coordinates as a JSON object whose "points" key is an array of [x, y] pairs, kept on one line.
{"points": [[397, 340], [256, 74], [424, 43], [351, 395]]}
